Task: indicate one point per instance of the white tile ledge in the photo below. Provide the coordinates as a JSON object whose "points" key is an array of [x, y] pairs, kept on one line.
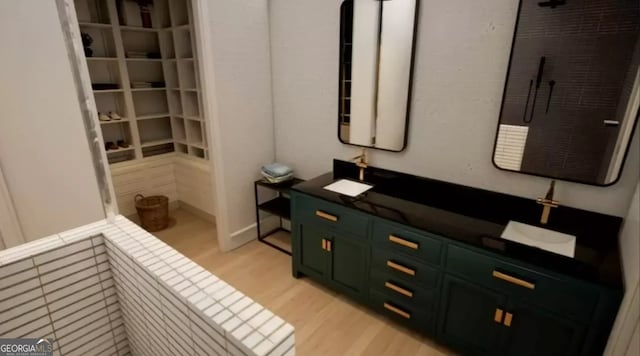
{"points": [[248, 328]]}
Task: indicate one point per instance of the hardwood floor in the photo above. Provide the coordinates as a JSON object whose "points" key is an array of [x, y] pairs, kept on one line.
{"points": [[326, 323]]}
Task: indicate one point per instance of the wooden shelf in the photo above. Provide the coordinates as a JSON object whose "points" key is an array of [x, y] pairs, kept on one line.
{"points": [[111, 122], [143, 59], [147, 89], [157, 142], [139, 29], [130, 148], [198, 145], [95, 25], [105, 91], [102, 59], [152, 120], [153, 116]]}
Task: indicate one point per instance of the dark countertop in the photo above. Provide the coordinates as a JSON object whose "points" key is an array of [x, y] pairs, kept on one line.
{"points": [[478, 217]]}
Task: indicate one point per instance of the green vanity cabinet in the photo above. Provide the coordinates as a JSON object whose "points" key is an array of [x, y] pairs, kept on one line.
{"points": [[312, 254], [473, 300], [535, 331], [468, 315], [328, 248]]}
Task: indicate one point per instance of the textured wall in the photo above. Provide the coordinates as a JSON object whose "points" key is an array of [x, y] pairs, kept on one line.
{"points": [[462, 52], [44, 151]]}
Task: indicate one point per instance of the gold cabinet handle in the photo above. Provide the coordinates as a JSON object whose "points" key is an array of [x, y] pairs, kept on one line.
{"points": [[513, 280], [326, 216], [403, 242], [329, 245], [397, 310], [401, 268], [324, 244], [497, 317], [507, 319], [398, 289]]}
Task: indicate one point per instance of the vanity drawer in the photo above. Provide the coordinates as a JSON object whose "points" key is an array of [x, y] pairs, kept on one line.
{"points": [[564, 296], [329, 214], [420, 318], [400, 291], [404, 268], [409, 242]]}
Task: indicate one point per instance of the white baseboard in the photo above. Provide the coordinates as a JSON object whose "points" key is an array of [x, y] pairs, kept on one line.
{"points": [[197, 212], [250, 233]]}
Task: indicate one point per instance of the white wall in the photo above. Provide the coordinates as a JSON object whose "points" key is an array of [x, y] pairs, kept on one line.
{"points": [[629, 314], [460, 66], [44, 153], [237, 66]]}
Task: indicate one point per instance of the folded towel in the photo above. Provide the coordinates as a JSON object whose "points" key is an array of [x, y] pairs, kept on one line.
{"points": [[281, 179], [277, 170]]}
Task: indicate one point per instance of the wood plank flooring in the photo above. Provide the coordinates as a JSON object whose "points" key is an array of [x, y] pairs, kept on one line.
{"points": [[326, 323]]}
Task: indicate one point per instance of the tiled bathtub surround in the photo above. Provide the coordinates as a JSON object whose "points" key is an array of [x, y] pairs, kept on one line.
{"points": [[167, 304], [64, 291]]}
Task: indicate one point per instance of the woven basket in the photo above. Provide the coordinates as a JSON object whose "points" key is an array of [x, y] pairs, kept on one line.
{"points": [[153, 211]]}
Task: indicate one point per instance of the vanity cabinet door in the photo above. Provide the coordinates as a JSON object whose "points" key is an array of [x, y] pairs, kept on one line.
{"points": [[471, 317], [533, 331], [349, 265], [312, 254]]}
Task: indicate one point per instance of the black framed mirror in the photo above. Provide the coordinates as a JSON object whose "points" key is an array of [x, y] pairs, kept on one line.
{"points": [[377, 45], [571, 98]]}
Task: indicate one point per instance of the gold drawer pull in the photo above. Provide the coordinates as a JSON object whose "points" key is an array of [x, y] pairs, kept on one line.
{"points": [[398, 289], [507, 319], [514, 280], [398, 311], [401, 268], [324, 215], [324, 244], [403, 242], [497, 317], [329, 245]]}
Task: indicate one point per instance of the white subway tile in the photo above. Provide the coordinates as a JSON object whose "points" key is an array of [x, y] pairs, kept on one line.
{"points": [[271, 326], [282, 333], [260, 318], [263, 348], [250, 311], [15, 267]]}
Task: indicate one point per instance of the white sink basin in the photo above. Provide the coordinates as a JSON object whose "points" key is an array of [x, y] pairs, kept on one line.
{"points": [[545, 239], [348, 187]]}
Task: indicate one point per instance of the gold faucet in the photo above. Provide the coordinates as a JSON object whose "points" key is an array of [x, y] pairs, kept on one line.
{"points": [[548, 203], [361, 162]]}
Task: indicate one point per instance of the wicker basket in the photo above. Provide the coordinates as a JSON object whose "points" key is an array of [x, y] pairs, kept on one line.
{"points": [[153, 211]]}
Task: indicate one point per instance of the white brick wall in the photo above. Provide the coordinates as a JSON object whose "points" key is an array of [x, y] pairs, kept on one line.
{"points": [[124, 290]]}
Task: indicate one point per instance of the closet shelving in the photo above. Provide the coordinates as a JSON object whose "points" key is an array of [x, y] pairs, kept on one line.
{"points": [[154, 77]]}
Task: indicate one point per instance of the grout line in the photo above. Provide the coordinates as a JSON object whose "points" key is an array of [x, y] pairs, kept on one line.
{"points": [[53, 328], [104, 296]]}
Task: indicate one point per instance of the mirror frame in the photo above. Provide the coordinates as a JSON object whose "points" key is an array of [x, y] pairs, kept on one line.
{"points": [[409, 91], [495, 140]]}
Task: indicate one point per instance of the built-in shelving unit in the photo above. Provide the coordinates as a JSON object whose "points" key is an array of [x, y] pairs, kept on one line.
{"points": [[153, 77]]}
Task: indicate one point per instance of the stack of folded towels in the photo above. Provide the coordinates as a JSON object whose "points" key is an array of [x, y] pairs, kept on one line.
{"points": [[277, 172]]}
